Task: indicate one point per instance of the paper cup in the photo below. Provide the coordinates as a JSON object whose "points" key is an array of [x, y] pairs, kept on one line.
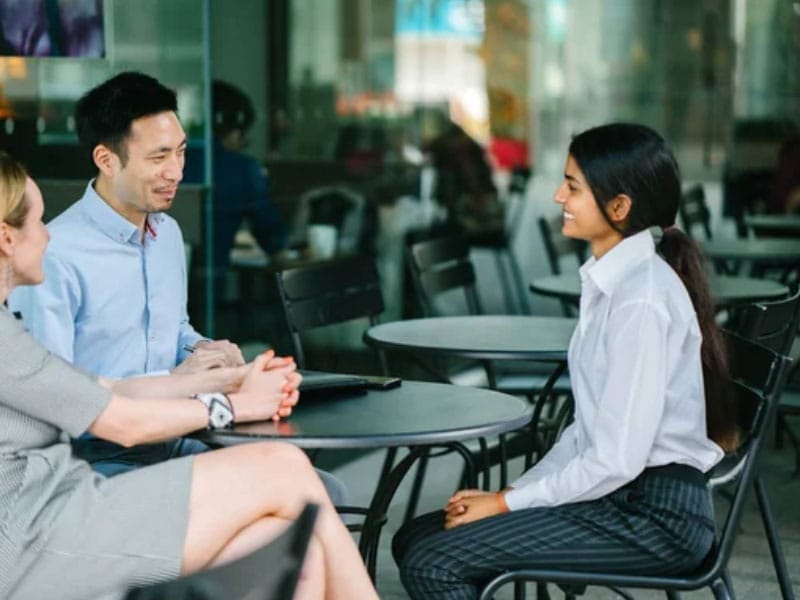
{"points": [[322, 240]]}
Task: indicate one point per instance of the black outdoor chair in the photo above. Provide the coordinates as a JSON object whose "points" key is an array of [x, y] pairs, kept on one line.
{"points": [[759, 375], [327, 293], [442, 265], [693, 211], [556, 247], [501, 243], [775, 325], [270, 573]]}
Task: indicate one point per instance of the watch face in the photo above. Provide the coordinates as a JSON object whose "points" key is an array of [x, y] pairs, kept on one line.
{"points": [[220, 416]]}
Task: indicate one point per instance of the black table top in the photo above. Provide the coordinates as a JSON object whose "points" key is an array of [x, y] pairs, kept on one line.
{"points": [[416, 413], [784, 223], [489, 337], [753, 250], [727, 291]]}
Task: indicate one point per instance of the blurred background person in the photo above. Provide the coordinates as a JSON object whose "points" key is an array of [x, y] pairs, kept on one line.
{"points": [[241, 184]]}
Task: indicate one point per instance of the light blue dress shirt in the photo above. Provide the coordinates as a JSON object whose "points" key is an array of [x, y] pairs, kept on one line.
{"points": [[110, 303]]}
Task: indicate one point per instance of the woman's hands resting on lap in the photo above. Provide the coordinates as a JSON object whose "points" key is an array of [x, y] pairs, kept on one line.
{"points": [[268, 390], [466, 506]]}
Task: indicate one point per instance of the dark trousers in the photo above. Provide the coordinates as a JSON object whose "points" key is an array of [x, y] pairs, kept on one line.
{"points": [[660, 523]]}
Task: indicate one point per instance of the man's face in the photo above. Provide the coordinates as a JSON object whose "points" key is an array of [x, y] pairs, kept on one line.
{"points": [[156, 151]]}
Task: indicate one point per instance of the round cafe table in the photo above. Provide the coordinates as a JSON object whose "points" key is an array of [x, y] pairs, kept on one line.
{"points": [[755, 251], [727, 291], [416, 415], [484, 337], [774, 225]]}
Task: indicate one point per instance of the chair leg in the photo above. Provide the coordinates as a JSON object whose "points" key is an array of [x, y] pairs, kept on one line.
{"points": [[793, 438], [519, 590], [780, 424], [505, 284], [522, 292], [673, 595], [775, 549], [721, 590], [542, 593]]}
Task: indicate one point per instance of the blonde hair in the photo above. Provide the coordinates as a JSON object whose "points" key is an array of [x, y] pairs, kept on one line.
{"points": [[13, 204]]}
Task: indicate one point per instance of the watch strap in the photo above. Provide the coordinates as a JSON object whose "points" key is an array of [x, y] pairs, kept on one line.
{"points": [[220, 409]]}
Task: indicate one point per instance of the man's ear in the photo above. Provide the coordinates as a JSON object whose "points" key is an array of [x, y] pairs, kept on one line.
{"points": [[105, 159], [7, 239], [619, 208]]}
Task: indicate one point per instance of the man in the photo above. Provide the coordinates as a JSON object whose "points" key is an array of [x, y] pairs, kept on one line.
{"points": [[114, 297]]}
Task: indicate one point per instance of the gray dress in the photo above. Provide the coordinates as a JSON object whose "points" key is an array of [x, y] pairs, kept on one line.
{"points": [[65, 531]]}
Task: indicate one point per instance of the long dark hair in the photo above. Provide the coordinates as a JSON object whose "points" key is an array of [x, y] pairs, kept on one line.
{"points": [[634, 160]]}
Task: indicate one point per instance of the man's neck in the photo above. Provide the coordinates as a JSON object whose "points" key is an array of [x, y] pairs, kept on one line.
{"points": [[103, 189]]}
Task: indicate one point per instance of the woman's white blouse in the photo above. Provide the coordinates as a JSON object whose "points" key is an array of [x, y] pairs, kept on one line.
{"points": [[637, 380]]}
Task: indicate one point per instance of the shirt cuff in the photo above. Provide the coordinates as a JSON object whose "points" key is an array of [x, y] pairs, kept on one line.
{"points": [[516, 499]]}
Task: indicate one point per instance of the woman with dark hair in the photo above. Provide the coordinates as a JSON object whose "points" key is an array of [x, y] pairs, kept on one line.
{"points": [[68, 532], [624, 487]]}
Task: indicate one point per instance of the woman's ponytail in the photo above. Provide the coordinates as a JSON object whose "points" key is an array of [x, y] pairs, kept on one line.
{"points": [[685, 257]]}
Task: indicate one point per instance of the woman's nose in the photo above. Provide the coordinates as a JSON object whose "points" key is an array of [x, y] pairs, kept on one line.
{"points": [[558, 197]]}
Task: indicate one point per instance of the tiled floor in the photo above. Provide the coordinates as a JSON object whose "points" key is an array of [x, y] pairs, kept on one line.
{"points": [[751, 567]]}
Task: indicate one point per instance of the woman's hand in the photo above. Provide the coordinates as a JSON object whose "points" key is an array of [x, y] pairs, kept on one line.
{"points": [[466, 506], [268, 389]]}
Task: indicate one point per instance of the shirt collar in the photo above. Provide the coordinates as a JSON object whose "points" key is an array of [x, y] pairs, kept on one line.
{"points": [[113, 224], [615, 265]]}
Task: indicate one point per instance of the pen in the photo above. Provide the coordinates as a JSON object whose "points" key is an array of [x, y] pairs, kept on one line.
{"points": [[188, 348]]}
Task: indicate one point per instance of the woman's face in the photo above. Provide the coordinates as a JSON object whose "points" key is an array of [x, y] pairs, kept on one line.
{"points": [[582, 217], [32, 239]]}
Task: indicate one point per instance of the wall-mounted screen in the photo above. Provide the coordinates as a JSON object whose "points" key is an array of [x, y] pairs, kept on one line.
{"points": [[43, 28]]}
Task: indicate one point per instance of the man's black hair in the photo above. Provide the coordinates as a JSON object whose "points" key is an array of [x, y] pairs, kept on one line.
{"points": [[104, 114]]}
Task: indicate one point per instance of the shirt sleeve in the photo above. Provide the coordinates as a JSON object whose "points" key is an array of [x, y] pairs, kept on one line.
{"points": [[49, 309], [631, 404], [44, 386], [187, 335]]}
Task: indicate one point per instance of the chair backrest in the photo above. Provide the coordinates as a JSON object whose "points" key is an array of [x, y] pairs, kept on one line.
{"points": [[771, 324], [270, 573], [324, 293], [440, 265], [694, 210], [339, 206], [556, 245], [758, 375], [515, 199]]}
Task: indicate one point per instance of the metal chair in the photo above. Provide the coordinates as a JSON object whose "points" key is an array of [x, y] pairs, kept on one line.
{"points": [[693, 210], [556, 247], [759, 375], [501, 244], [443, 265], [775, 325], [327, 293], [268, 573]]}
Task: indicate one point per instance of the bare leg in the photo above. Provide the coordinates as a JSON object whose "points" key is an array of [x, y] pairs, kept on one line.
{"points": [[234, 488]]}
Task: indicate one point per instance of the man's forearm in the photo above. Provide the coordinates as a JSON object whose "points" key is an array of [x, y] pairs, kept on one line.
{"points": [[177, 385]]}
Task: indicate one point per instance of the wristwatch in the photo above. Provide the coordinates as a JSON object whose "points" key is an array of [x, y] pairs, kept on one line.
{"points": [[220, 409]]}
